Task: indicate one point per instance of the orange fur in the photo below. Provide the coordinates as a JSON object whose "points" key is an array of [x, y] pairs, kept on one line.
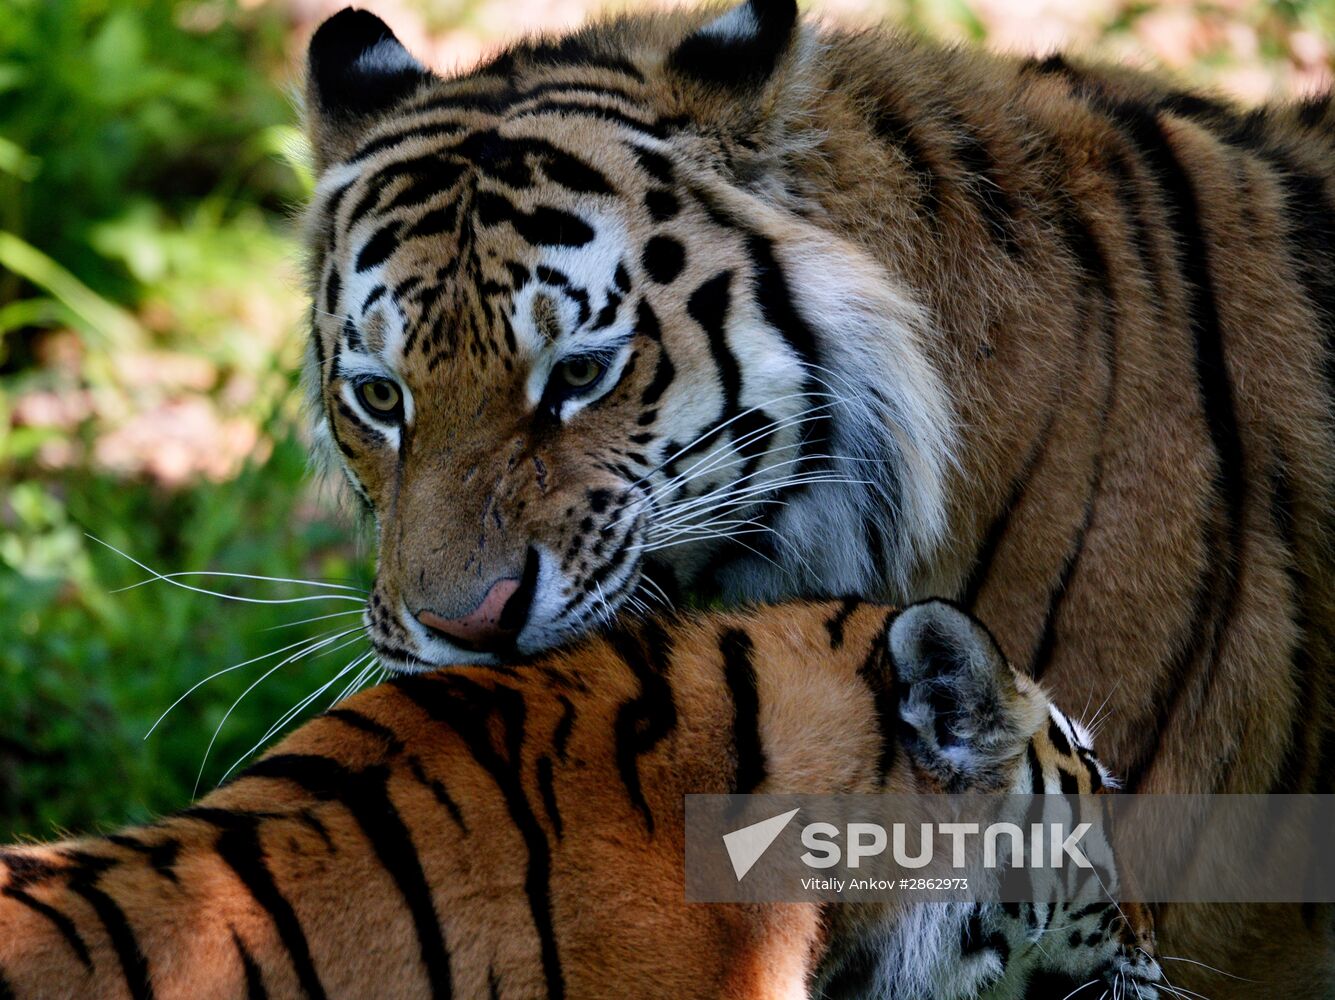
{"points": [[511, 786]]}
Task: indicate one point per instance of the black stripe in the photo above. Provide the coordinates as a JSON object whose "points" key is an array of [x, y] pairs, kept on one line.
{"points": [[601, 111], [438, 792], [365, 794], [664, 370], [238, 845], [377, 249], [1058, 738], [161, 856], [1310, 218], [543, 226], [573, 51], [6, 991], [357, 720], [984, 181], [996, 531], [1035, 770], [473, 712], [645, 719], [133, 962], [1295, 770], [331, 290], [1212, 614], [878, 673], [835, 624], [547, 789], [896, 130], [708, 306], [774, 296], [430, 130], [740, 674], [561, 736], [579, 86], [656, 165], [62, 923], [1093, 267], [254, 978]]}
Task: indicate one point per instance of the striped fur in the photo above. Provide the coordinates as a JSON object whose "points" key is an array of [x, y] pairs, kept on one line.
{"points": [[517, 832], [876, 317]]}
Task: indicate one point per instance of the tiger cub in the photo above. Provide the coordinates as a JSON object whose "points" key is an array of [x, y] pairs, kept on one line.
{"points": [[517, 832]]}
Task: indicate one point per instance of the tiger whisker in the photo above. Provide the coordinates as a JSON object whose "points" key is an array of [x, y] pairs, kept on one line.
{"points": [[1073, 992], [804, 479], [168, 577], [312, 642], [658, 593], [686, 449], [676, 505], [216, 593], [659, 495], [1192, 961], [714, 527], [731, 446], [317, 618], [355, 684], [256, 683], [291, 713]]}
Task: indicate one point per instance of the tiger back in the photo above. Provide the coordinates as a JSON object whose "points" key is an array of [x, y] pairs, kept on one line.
{"points": [[517, 832]]}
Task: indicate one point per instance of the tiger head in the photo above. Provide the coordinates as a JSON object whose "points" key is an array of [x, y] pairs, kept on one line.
{"points": [[575, 352]]}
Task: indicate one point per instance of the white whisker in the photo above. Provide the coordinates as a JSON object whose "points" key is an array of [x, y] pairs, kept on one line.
{"points": [[312, 643], [1192, 961], [168, 577], [291, 713], [216, 593], [317, 618], [256, 683]]}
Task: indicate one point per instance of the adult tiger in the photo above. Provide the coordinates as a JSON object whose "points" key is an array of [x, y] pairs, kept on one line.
{"points": [[735, 305], [517, 833]]}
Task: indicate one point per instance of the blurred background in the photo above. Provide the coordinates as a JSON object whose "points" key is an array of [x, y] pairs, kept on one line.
{"points": [[150, 328]]}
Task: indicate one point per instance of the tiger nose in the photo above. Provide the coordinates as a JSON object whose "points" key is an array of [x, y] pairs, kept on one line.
{"points": [[498, 618], [483, 626]]}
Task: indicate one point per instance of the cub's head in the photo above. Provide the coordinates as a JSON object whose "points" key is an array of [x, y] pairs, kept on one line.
{"points": [[575, 348]]}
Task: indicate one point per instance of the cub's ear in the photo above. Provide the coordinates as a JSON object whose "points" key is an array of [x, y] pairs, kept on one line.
{"points": [[966, 719], [356, 72], [739, 48]]}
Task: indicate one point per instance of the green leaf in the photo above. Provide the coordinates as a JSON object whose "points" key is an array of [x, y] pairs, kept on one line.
{"points": [[103, 320]]}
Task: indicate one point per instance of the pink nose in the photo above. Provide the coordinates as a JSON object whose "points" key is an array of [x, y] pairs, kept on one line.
{"points": [[482, 625]]}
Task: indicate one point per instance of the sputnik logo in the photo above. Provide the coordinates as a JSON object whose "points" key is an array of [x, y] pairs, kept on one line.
{"points": [[745, 846]]}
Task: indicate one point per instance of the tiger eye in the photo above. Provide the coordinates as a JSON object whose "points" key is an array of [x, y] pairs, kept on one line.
{"points": [[579, 372], [380, 396]]}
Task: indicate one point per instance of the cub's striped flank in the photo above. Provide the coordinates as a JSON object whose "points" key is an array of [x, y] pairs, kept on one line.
{"points": [[518, 833]]}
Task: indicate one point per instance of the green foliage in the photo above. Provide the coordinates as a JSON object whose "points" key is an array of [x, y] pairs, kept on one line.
{"points": [[147, 168], [86, 671]]}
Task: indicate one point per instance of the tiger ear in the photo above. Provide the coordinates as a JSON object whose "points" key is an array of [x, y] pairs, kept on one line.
{"points": [[965, 716], [739, 48], [356, 72]]}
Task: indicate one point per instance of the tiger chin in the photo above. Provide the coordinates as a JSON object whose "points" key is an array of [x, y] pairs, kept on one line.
{"points": [[518, 833]]}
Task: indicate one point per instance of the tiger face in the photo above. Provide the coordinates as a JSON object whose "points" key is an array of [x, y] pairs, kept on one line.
{"points": [[558, 354]]}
